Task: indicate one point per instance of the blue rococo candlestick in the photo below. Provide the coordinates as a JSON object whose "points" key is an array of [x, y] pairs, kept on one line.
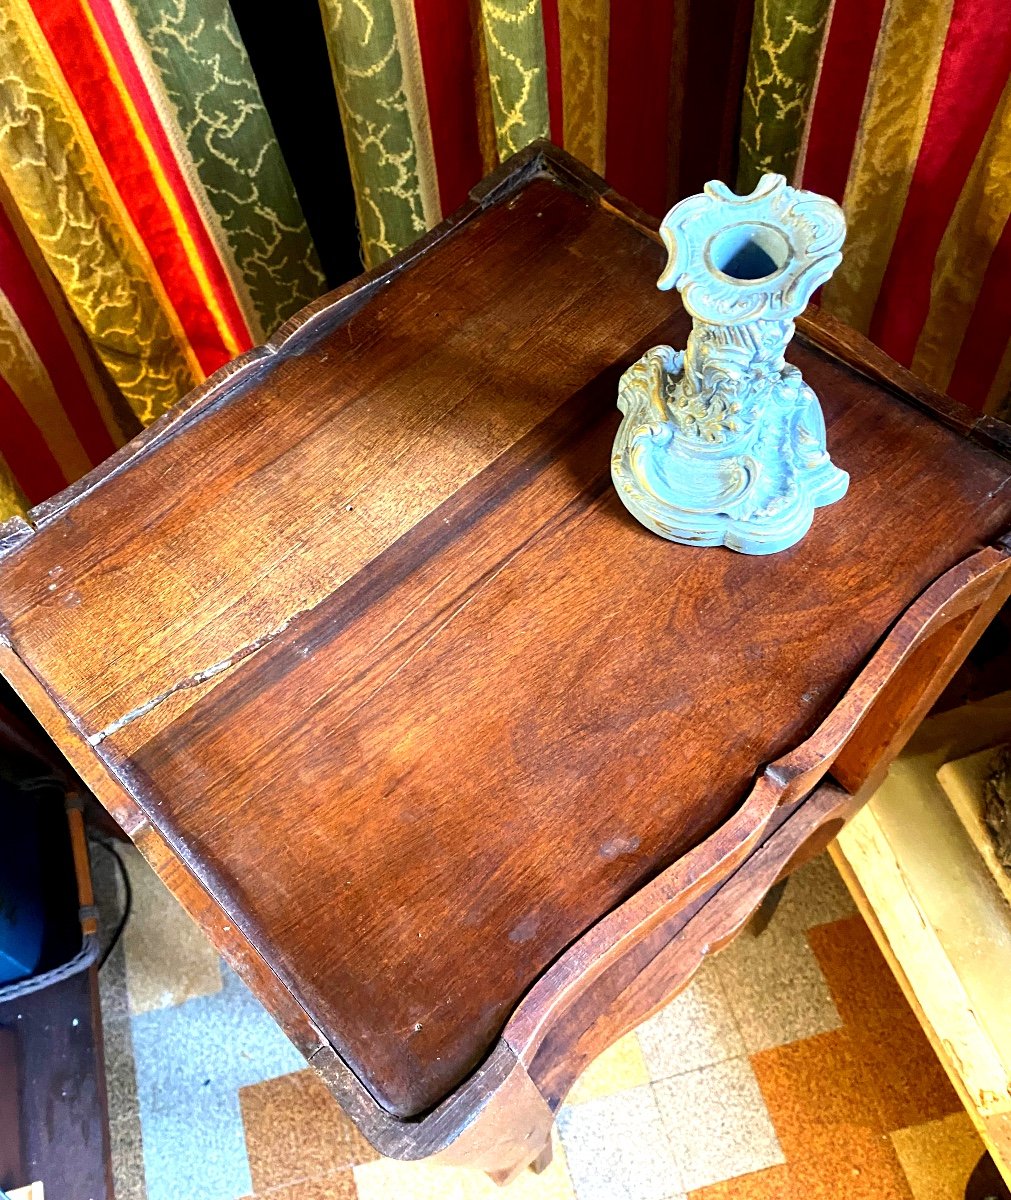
{"points": [[724, 443]]}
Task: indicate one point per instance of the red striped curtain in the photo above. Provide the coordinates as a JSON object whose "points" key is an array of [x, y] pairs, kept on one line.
{"points": [[59, 410], [149, 233], [910, 129], [434, 93], [149, 228]]}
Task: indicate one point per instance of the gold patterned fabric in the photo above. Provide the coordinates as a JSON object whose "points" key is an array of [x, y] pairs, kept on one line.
{"points": [[81, 228], [910, 129], [584, 29], [150, 230]]}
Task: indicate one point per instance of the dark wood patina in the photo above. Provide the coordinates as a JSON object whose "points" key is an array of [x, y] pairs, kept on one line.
{"points": [[461, 768]]}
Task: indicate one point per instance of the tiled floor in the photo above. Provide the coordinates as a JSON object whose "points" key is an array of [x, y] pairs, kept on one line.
{"points": [[790, 1069]]}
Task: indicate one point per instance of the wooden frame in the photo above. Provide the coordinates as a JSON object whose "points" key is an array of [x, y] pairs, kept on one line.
{"points": [[637, 956]]}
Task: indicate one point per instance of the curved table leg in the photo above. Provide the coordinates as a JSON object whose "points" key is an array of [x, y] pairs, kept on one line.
{"points": [[540, 1163], [759, 923], [986, 1182]]}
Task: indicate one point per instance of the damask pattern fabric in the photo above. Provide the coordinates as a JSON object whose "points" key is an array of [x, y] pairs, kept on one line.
{"points": [[434, 93], [376, 59], [785, 40], [584, 26], [226, 134], [147, 180], [516, 38], [152, 232], [60, 411], [910, 129], [83, 226]]}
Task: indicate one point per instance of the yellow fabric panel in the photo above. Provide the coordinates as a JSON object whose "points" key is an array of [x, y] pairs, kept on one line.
{"points": [[12, 502], [119, 420], [895, 114], [179, 221], [584, 27], [27, 377], [482, 91], [974, 230], [998, 400], [56, 178]]}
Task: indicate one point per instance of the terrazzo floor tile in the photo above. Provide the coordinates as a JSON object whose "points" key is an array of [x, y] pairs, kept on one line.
{"points": [[619, 1068], [191, 1062], [338, 1186], [168, 958], [815, 895], [126, 1141], [220, 1106], [120, 1072], [109, 899], [774, 1183], [822, 1101], [695, 1029], [938, 1157], [389, 1180], [126, 1148], [862, 1167], [125, 1134], [902, 1072], [753, 970], [617, 1149], [717, 1123], [815, 1089], [296, 1130]]}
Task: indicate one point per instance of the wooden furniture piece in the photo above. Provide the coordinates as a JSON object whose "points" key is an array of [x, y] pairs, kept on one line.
{"points": [[54, 1118], [63, 1120], [936, 912], [461, 768]]}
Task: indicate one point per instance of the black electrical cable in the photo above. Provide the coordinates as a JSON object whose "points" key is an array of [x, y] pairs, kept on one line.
{"points": [[127, 900]]}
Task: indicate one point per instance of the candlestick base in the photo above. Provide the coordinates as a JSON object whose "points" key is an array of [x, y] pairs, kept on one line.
{"points": [[708, 476]]}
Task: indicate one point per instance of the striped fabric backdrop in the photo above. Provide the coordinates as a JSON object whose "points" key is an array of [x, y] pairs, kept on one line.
{"points": [[141, 168], [59, 412], [149, 229], [910, 129], [434, 93]]}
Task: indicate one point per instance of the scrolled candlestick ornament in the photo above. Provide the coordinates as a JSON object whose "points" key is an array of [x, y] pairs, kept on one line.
{"points": [[724, 443]]}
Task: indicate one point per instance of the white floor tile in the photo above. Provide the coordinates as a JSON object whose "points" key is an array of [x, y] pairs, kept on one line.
{"points": [[695, 1030], [617, 1149], [717, 1123]]}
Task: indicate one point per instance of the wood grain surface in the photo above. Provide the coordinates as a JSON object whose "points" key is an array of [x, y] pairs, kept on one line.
{"points": [[635, 960], [370, 645]]}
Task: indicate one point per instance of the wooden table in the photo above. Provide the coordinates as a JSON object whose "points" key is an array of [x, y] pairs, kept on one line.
{"points": [[462, 769]]}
